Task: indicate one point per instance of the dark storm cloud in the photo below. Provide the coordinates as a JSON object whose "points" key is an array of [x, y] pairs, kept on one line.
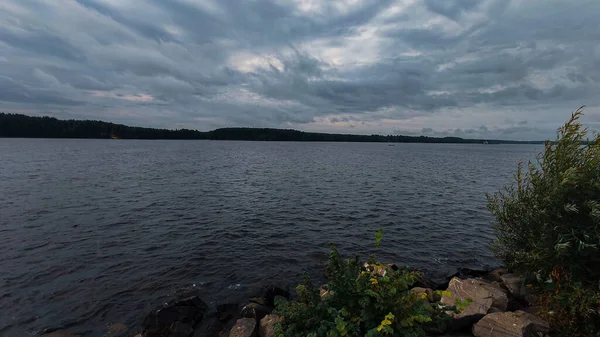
{"points": [[436, 67]]}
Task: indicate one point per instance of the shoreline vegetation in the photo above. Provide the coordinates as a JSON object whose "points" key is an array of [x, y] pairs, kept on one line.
{"points": [[547, 226], [23, 126]]}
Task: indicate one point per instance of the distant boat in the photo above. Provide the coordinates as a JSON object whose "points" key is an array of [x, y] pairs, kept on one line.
{"points": [[391, 144]]}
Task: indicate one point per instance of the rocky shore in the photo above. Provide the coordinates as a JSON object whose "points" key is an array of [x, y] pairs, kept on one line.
{"points": [[501, 306]]}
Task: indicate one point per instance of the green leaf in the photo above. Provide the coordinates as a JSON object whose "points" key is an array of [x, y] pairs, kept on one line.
{"points": [[378, 237]]}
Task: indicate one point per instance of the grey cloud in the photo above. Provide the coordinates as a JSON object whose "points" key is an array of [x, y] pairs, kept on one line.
{"points": [[421, 38], [33, 39], [282, 64], [451, 9], [15, 92], [515, 129], [483, 132]]}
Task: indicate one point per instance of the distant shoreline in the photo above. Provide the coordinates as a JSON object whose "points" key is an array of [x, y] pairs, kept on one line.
{"points": [[23, 126]]}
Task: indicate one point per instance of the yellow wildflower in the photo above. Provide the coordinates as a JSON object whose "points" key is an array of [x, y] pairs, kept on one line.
{"points": [[386, 321], [373, 281]]}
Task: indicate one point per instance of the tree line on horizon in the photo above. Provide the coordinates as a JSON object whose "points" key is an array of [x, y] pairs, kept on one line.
{"points": [[23, 126]]}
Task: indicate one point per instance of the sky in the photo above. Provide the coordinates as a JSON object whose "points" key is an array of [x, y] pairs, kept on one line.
{"points": [[469, 68]]}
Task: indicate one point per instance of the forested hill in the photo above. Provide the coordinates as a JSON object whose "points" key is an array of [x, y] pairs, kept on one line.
{"points": [[16, 125]]}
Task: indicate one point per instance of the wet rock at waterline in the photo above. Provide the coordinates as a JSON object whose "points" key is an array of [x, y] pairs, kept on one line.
{"points": [[117, 329], [175, 319], [255, 310], [467, 273], [180, 329], [227, 311], [510, 324], [212, 326], [244, 327], [271, 292]]}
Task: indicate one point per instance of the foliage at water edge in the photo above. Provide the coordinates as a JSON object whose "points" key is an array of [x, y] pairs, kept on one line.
{"points": [[547, 227], [361, 299]]}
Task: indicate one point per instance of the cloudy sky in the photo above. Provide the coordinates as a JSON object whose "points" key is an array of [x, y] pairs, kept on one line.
{"points": [[471, 68]]}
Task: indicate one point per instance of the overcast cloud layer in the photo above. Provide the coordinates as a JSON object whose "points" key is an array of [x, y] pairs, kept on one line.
{"points": [[471, 68]]}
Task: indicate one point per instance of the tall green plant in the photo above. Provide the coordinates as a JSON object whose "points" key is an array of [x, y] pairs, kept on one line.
{"points": [[547, 224], [549, 220]]}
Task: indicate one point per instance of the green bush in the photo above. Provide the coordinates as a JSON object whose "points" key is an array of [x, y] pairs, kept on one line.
{"points": [[548, 223], [572, 311], [369, 299]]}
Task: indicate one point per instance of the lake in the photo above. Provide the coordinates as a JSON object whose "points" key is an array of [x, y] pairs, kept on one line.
{"points": [[96, 232]]}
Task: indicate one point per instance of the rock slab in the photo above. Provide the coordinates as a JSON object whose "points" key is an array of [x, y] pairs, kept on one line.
{"points": [[255, 310], [484, 296], [227, 311], [496, 274], [244, 327], [515, 284], [267, 325], [271, 292], [511, 324], [117, 329]]}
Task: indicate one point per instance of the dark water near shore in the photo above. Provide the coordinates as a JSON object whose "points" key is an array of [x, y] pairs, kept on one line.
{"points": [[96, 232]]}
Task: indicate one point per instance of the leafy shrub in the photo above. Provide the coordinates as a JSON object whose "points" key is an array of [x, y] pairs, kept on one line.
{"points": [[572, 311], [548, 225], [551, 218], [369, 299]]}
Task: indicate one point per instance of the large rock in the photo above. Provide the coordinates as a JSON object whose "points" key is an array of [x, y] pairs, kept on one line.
{"points": [[266, 327], [117, 329], [180, 329], [227, 311], [427, 294], [515, 284], [175, 320], [496, 274], [467, 273], [255, 310], [484, 296], [271, 292], [210, 326], [244, 327], [510, 324]]}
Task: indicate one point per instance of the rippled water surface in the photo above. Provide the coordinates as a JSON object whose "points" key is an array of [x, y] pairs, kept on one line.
{"points": [[96, 232]]}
